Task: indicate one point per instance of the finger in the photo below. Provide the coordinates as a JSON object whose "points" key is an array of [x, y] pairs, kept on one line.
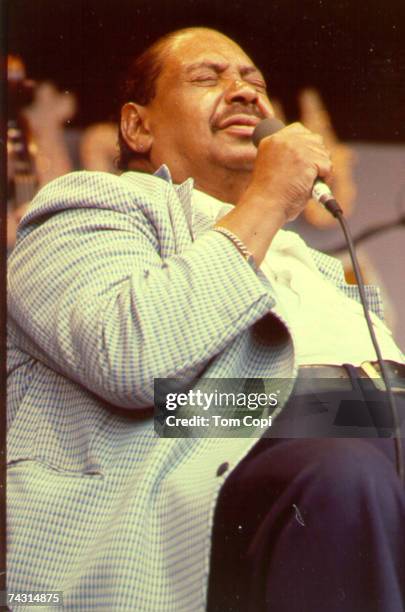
{"points": [[325, 169], [314, 114]]}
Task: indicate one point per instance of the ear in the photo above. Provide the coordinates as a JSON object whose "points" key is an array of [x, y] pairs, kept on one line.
{"points": [[135, 128]]}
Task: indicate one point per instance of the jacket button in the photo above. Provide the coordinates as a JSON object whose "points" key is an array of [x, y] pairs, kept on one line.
{"points": [[222, 468]]}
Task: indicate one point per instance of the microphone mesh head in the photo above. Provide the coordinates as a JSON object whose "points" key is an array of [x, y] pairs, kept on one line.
{"points": [[267, 127]]}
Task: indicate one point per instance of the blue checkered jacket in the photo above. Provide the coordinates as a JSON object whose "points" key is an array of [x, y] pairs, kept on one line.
{"points": [[110, 286]]}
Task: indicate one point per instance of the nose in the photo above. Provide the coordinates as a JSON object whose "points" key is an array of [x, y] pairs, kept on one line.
{"points": [[241, 91]]}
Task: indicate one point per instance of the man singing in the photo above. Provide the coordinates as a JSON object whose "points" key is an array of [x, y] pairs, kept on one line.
{"points": [[179, 268]]}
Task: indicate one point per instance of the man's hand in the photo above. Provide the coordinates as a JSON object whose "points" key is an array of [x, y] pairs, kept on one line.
{"points": [[286, 166]]}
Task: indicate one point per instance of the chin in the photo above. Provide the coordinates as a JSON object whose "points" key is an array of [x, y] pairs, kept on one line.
{"points": [[234, 155], [243, 163]]}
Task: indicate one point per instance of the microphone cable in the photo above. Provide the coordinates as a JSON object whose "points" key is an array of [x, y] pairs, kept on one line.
{"points": [[333, 207]]}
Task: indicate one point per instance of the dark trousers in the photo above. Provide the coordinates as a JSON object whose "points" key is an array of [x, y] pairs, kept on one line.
{"points": [[311, 525]]}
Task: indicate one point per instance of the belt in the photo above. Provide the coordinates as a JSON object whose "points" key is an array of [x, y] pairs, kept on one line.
{"points": [[368, 369]]}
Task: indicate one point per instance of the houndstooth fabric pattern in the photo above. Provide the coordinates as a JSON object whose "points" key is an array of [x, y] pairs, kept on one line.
{"points": [[109, 288]]}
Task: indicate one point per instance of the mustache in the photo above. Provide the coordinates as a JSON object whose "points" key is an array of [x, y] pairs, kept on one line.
{"points": [[237, 108]]}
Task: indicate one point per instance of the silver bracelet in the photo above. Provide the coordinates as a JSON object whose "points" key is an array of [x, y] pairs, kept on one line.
{"points": [[242, 248]]}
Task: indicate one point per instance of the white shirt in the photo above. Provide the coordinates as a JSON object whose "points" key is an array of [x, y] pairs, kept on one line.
{"points": [[327, 326]]}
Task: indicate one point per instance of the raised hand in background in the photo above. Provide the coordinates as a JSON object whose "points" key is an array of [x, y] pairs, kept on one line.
{"points": [[315, 117]]}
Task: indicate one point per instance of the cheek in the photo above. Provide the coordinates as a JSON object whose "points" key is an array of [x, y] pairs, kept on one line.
{"points": [[185, 118], [197, 104]]}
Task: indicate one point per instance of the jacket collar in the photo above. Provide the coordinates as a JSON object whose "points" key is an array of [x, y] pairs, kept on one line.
{"points": [[184, 193]]}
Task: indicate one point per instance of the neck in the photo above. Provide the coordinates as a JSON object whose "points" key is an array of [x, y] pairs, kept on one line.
{"points": [[225, 184], [228, 189]]}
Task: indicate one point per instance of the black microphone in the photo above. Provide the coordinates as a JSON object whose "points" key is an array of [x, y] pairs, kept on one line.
{"points": [[320, 190]]}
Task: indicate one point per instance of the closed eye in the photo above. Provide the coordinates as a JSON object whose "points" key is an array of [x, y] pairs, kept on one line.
{"points": [[260, 85], [205, 80]]}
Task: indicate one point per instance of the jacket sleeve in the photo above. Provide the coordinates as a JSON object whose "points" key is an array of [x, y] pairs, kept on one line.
{"points": [[91, 297]]}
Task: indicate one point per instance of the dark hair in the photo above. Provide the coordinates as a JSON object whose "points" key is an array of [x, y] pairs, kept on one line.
{"points": [[139, 85]]}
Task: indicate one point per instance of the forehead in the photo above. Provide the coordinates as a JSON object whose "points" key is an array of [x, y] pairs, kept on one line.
{"points": [[203, 46]]}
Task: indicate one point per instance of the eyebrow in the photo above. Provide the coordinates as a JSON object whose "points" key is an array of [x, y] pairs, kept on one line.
{"points": [[221, 67]]}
